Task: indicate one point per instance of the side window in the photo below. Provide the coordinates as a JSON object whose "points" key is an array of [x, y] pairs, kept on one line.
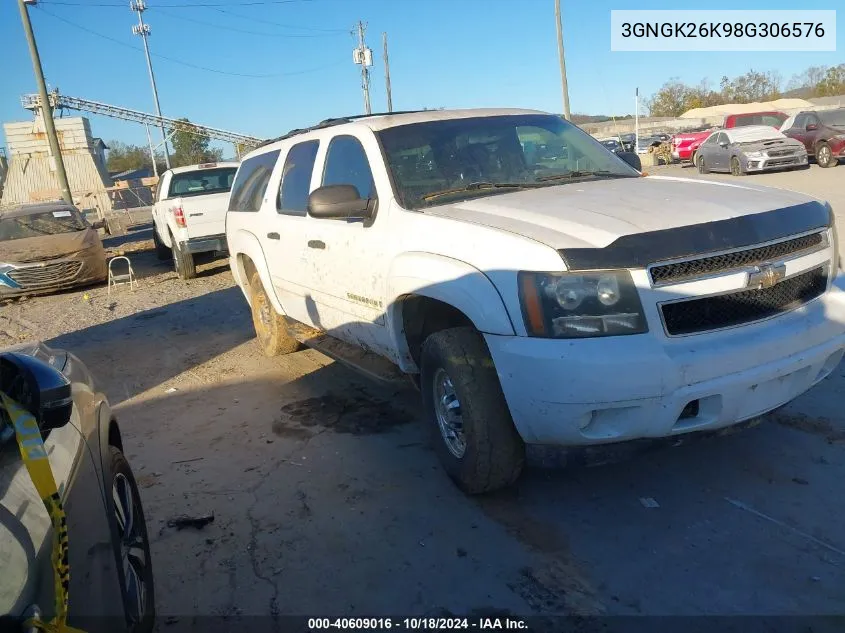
{"points": [[347, 164], [721, 138], [251, 182], [160, 189], [296, 178], [812, 119], [800, 122]]}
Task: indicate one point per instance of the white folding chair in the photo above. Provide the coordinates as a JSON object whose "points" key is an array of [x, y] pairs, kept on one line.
{"points": [[122, 278]]}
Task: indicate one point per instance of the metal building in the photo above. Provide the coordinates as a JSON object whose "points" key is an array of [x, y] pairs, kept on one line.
{"points": [[31, 171]]}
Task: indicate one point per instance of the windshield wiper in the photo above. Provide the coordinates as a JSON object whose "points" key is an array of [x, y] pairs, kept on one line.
{"points": [[569, 175], [478, 186]]}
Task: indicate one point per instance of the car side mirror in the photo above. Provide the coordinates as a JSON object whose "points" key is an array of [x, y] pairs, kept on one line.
{"points": [[811, 127], [632, 159], [723, 144], [338, 201], [38, 387]]}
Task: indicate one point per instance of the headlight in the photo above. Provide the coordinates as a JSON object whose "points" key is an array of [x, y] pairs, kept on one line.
{"points": [[754, 154], [579, 305]]}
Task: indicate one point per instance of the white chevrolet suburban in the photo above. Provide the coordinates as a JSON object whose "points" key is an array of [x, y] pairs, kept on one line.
{"points": [[189, 214], [539, 288]]}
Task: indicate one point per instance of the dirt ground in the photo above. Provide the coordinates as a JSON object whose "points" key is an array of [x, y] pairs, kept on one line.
{"points": [[328, 499]]}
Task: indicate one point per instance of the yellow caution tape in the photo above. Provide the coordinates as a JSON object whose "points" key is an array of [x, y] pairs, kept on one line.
{"points": [[34, 457]]}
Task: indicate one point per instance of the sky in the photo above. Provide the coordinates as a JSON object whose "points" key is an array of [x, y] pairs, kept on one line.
{"points": [[298, 55]]}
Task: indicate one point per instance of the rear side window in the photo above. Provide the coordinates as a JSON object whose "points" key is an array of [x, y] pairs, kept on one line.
{"points": [[296, 178], [347, 164], [251, 182]]}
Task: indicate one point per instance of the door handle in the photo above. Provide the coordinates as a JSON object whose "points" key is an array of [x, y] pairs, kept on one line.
{"points": [[273, 236], [316, 244]]}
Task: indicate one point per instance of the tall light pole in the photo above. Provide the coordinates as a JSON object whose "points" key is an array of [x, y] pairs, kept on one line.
{"points": [[139, 6], [564, 85], [46, 108]]}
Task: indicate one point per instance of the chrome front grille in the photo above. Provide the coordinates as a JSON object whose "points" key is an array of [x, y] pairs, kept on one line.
{"points": [[704, 314], [665, 274], [37, 277]]}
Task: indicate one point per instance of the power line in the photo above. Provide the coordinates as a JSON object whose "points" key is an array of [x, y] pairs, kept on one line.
{"points": [[262, 20], [237, 30], [248, 3], [184, 63]]}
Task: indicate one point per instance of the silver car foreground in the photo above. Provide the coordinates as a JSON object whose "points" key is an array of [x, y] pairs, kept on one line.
{"points": [[750, 149]]}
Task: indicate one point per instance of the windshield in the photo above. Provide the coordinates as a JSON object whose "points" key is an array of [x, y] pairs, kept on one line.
{"points": [[528, 150], [833, 117], [201, 182], [37, 224]]}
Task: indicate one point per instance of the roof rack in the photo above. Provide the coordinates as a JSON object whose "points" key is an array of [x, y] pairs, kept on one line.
{"points": [[332, 122]]}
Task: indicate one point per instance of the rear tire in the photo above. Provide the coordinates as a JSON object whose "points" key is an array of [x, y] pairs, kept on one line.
{"points": [[462, 395], [131, 545], [271, 329], [699, 162], [162, 251], [824, 156], [183, 262], [736, 167]]}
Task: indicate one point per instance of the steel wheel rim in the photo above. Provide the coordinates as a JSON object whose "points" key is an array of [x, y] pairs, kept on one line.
{"points": [[133, 556], [824, 155], [447, 409]]}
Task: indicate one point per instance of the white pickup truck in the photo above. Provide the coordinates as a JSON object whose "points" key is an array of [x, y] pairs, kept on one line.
{"points": [[189, 214], [539, 288]]}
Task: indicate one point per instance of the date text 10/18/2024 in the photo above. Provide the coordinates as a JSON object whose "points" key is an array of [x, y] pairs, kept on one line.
{"points": [[418, 624]]}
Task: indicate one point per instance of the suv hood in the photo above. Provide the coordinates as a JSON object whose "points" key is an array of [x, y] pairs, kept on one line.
{"points": [[594, 214]]}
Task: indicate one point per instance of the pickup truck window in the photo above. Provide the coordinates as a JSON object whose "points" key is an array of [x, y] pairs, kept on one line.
{"points": [[251, 182], [296, 179], [201, 182], [434, 162], [347, 164]]}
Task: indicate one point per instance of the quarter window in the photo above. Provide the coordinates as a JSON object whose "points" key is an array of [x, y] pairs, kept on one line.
{"points": [[251, 182], [296, 178]]}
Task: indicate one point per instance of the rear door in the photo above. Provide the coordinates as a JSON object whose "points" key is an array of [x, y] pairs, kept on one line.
{"points": [[204, 194], [798, 131]]}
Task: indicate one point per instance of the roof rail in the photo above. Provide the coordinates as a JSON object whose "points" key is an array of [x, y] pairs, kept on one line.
{"points": [[332, 122]]}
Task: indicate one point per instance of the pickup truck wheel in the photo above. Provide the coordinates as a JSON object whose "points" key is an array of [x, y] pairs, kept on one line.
{"points": [[824, 156], [271, 328], [162, 251], [474, 434], [183, 262]]}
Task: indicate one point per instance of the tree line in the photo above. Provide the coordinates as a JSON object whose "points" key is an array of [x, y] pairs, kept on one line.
{"points": [[188, 148], [676, 97]]}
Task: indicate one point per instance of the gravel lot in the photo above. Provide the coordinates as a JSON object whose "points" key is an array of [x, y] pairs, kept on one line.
{"points": [[329, 500]]}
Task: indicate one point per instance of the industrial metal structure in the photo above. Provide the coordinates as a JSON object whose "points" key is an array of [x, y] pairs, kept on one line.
{"points": [[60, 101]]}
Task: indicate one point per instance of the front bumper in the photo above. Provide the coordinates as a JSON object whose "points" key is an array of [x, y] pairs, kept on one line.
{"points": [[602, 390], [79, 269], [212, 243], [776, 162]]}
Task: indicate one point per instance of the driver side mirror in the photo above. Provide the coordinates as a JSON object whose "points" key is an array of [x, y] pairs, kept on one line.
{"points": [[632, 159], [38, 387], [811, 127], [338, 202], [723, 144]]}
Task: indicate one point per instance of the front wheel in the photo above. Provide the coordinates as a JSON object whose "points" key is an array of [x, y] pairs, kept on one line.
{"points": [[702, 167], [824, 156], [736, 167], [131, 545], [473, 431]]}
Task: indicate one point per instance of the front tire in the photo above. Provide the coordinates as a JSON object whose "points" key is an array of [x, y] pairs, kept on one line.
{"points": [[162, 251], [271, 328], [183, 262], [473, 431], [131, 545], [824, 156], [736, 167]]}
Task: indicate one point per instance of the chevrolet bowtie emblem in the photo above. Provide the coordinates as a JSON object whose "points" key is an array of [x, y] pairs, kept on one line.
{"points": [[766, 275]]}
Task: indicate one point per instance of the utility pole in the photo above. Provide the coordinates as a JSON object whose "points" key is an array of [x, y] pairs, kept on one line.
{"points": [[139, 6], [387, 74], [46, 108], [363, 56], [564, 85], [637, 120], [152, 151]]}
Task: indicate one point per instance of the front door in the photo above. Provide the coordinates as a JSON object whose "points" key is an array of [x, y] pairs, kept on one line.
{"points": [[348, 259]]}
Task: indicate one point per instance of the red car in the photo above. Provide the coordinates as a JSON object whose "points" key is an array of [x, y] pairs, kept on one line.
{"points": [[823, 134], [684, 145]]}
